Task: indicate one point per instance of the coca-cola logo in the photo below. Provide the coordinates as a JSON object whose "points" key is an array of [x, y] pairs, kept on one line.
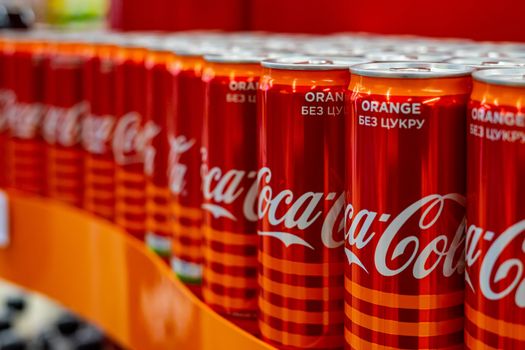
{"points": [[397, 247], [221, 188], [7, 98], [24, 119], [500, 275], [300, 213], [176, 169], [131, 138], [97, 132], [63, 125]]}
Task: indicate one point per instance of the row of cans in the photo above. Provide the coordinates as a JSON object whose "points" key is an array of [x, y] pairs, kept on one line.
{"points": [[323, 192]]}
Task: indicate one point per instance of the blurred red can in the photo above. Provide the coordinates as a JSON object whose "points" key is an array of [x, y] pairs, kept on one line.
{"points": [[132, 134], [404, 221], [64, 108], [185, 136], [230, 184], [159, 110], [495, 259], [7, 100], [300, 206], [26, 157], [98, 126]]}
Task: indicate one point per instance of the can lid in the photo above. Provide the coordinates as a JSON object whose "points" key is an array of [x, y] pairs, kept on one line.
{"points": [[411, 70], [507, 76], [489, 52], [236, 57], [312, 63], [406, 57], [199, 48], [487, 63]]}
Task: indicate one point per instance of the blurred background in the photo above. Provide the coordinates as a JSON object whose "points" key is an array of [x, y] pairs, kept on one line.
{"points": [[475, 19]]}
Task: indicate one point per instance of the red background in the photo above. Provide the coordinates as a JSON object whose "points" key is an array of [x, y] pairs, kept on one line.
{"points": [[477, 19]]}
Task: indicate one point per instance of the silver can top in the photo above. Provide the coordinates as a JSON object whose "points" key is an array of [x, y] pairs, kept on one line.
{"points": [[411, 70], [405, 57], [508, 77], [237, 57], [311, 63], [487, 63]]}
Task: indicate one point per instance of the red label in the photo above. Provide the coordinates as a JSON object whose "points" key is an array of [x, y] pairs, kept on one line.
{"points": [[300, 211], [185, 140], [495, 255], [404, 226], [230, 191], [99, 91]]}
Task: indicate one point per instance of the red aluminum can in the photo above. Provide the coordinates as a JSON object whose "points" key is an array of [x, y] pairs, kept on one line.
{"points": [[132, 134], [495, 259], [405, 195], [64, 108], [159, 84], [7, 100], [229, 175], [300, 205], [185, 136], [26, 157], [98, 126]]}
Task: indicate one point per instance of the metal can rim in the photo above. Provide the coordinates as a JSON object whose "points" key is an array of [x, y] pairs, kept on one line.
{"points": [[487, 63], [501, 76], [313, 63], [234, 58], [411, 70]]}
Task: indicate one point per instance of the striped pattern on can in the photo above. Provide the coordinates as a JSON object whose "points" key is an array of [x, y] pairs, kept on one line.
{"points": [[158, 224], [376, 318], [187, 242], [65, 174], [230, 271], [27, 162], [99, 195], [130, 200], [300, 303]]}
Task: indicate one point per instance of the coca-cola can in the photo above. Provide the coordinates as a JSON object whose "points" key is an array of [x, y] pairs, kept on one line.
{"points": [[98, 126], [159, 110], [185, 139], [300, 207], [405, 205], [64, 108], [7, 100], [229, 176], [495, 259], [131, 135], [26, 157]]}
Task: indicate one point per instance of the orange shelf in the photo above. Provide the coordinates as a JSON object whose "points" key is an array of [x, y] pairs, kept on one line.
{"points": [[94, 269]]}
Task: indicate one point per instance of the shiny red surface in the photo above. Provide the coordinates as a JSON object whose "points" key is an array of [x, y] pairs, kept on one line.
{"points": [[304, 154], [495, 219], [185, 135], [159, 110], [26, 146], [229, 172], [62, 120], [6, 96], [97, 131], [130, 109], [387, 171], [159, 84]]}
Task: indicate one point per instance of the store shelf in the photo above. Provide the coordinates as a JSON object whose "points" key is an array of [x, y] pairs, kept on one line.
{"points": [[94, 269]]}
